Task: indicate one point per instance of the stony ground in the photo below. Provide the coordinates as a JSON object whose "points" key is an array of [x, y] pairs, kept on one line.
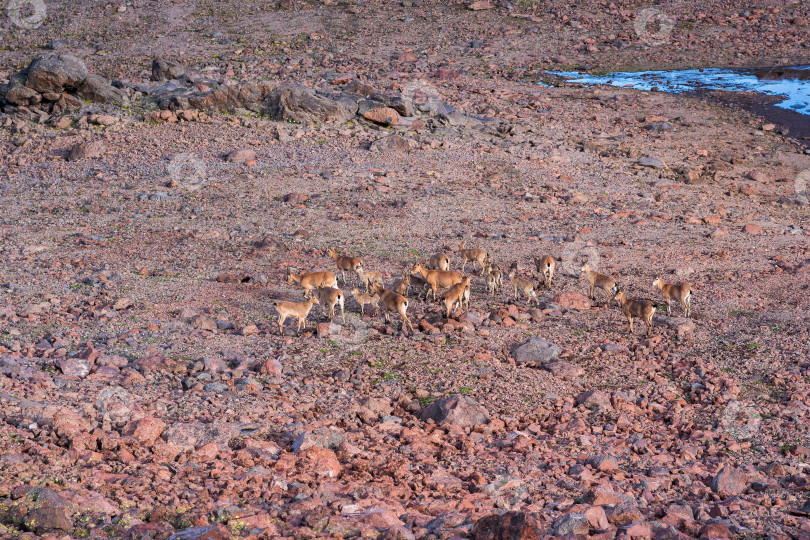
{"points": [[146, 391]]}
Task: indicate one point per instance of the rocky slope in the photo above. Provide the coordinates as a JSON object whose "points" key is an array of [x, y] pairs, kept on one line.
{"points": [[152, 208]]}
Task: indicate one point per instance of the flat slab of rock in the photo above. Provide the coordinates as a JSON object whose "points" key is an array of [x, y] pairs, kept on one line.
{"points": [[197, 434], [391, 143], [241, 155], [652, 162], [682, 325], [456, 410], [535, 352], [87, 150], [563, 369], [297, 103]]}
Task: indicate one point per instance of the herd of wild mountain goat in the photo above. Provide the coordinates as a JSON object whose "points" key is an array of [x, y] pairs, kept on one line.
{"points": [[321, 287]]}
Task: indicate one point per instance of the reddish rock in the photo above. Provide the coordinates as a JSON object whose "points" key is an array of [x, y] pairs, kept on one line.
{"points": [[641, 530], [322, 461], [270, 367], [68, 423], [604, 463], [623, 514], [715, 531], [383, 115], [729, 482], [206, 452], [752, 228], [601, 495], [597, 518], [595, 400], [508, 526], [145, 430]]}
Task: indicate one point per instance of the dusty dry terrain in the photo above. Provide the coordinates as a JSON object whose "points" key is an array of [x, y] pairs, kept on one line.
{"points": [[145, 390]]}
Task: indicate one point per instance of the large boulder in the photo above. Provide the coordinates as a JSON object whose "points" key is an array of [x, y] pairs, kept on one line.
{"points": [[729, 482], [250, 96], [165, 70], [295, 103], [456, 410], [535, 352], [39, 510], [55, 73]]}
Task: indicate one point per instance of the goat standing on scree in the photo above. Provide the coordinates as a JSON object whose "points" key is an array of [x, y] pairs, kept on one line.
{"points": [[298, 310], [546, 267], [523, 285], [403, 284], [419, 284], [365, 298], [681, 291], [437, 278], [493, 275], [472, 255], [392, 301], [458, 293], [595, 279], [493, 279], [329, 297], [636, 308], [311, 280], [345, 263], [369, 278]]}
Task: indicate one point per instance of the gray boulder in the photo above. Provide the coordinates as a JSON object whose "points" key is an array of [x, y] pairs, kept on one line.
{"points": [[535, 352], [296, 103], [456, 410], [52, 72]]}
